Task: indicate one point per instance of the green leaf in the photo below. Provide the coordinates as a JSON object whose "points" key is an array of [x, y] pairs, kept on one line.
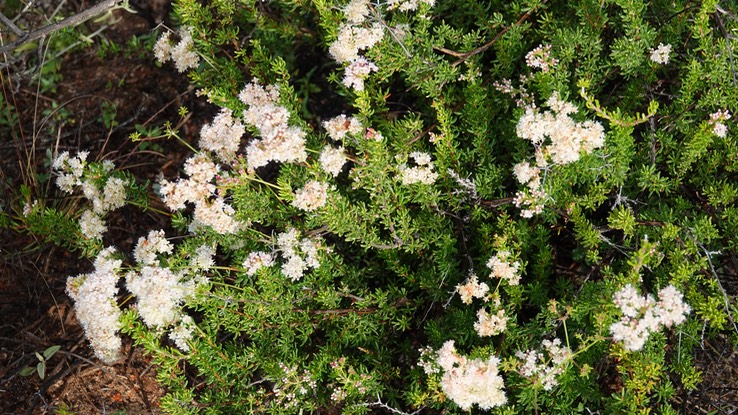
{"points": [[50, 351], [41, 369]]}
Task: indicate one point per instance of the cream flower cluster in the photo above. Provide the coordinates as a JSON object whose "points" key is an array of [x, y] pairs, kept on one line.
{"points": [[340, 127], [354, 37], [558, 139], [160, 292], [540, 58], [541, 369], [69, 170], [183, 53], [470, 382], [111, 196], [147, 247], [660, 55], [472, 288], [643, 314], [279, 141], [717, 119], [503, 268], [182, 332], [210, 208], [408, 5], [299, 254], [256, 261], [530, 200], [568, 138], [357, 71], [203, 257], [490, 324], [312, 196], [332, 160], [223, 135], [423, 171], [95, 305]]}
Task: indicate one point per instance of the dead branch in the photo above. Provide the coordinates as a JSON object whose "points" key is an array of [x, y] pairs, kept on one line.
{"points": [[81, 17]]}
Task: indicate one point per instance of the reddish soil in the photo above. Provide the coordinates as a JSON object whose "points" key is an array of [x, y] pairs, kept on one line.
{"points": [[36, 311]]}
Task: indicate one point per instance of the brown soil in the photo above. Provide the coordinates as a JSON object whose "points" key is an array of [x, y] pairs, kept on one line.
{"points": [[36, 311]]}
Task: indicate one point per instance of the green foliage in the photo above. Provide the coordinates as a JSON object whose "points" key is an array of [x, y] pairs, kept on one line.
{"points": [[40, 367], [650, 208]]}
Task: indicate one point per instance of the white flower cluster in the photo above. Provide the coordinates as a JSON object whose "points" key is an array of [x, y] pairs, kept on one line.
{"points": [[353, 37], [422, 172], [540, 58], [223, 136], [203, 257], [568, 139], [717, 119], [470, 381], [490, 324], [210, 208], [530, 201], [111, 196], [504, 269], [427, 360], [147, 247], [29, 208], [95, 305], [408, 5], [312, 196], [339, 127], [279, 141], [472, 289], [660, 55], [357, 71], [332, 160], [182, 332], [299, 254], [643, 314], [257, 260], [543, 371], [160, 292], [291, 385], [183, 53]]}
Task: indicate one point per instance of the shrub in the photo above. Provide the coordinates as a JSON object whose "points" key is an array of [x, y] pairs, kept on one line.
{"points": [[435, 205]]}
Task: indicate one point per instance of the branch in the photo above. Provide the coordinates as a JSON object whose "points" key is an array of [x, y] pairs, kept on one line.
{"points": [[384, 406], [13, 28], [466, 55], [77, 19]]}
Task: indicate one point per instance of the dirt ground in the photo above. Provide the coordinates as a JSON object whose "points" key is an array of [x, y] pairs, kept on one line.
{"points": [[35, 311]]}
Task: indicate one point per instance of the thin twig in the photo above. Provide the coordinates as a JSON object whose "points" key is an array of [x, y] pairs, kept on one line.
{"points": [[726, 298], [77, 19], [463, 56], [9, 23], [384, 406], [727, 46]]}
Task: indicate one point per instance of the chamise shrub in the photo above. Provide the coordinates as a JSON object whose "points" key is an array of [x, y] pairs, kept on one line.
{"points": [[419, 206]]}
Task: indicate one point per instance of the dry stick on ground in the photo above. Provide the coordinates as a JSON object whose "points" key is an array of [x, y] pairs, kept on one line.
{"points": [[78, 18]]}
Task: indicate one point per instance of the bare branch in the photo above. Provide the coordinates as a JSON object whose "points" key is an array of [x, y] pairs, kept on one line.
{"points": [[77, 19], [466, 55], [15, 29]]}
